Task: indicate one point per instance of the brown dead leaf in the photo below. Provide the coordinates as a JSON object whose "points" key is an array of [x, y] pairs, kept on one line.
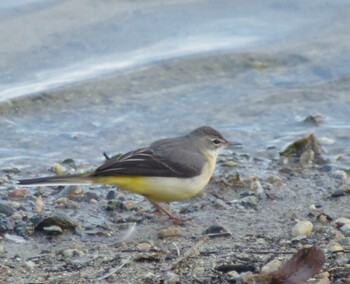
{"points": [[302, 266]]}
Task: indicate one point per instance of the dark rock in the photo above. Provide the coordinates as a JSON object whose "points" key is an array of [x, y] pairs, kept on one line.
{"points": [[59, 220], [6, 209]]}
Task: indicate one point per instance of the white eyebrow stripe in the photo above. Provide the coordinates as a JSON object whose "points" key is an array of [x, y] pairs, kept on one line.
{"points": [[134, 160]]}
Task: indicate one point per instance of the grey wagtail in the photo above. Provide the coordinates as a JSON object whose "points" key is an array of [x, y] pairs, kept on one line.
{"points": [[168, 170]]}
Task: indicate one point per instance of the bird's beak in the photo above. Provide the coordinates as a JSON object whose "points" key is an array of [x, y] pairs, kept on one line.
{"points": [[233, 144]]}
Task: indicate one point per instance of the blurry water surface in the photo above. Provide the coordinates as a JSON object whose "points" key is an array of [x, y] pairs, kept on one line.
{"points": [[82, 77]]}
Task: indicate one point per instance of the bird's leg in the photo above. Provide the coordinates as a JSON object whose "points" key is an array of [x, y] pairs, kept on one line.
{"points": [[161, 209]]}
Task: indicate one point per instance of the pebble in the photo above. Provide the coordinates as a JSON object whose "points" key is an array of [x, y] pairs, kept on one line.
{"points": [[323, 278], [5, 225], [345, 188], [220, 204], [340, 175], [249, 201], [326, 141], [313, 119], [302, 228], [72, 253], [271, 266], [338, 193], [6, 209], [14, 239], [54, 230], [61, 201], [229, 164], [144, 246], [341, 222], [18, 193], [75, 192], [307, 157], [91, 195], [275, 180], [346, 229], [334, 246], [58, 220], [23, 228], [256, 187], [111, 195], [216, 231], [30, 264], [168, 232], [58, 169]]}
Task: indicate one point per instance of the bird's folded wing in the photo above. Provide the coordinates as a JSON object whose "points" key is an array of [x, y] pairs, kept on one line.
{"points": [[145, 162]]}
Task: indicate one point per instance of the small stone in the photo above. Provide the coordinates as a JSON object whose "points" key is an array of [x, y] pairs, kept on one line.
{"points": [[30, 264], [72, 253], [144, 246], [323, 218], [220, 204], [54, 230], [111, 195], [326, 141], [23, 229], [340, 175], [15, 239], [39, 204], [59, 220], [341, 222], [5, 225], [334, 246], [307, 157], [271, 266], [18, 193], [256, 187], [345, 188], [302, 228], [75, 192], [58, 169], [216, 231], [6, 209], [315, 120], [149, 276], [61, 201], [168, 232], [249, 201], [229, 164], [346, 229], [338, 193], [90, 195], [275, 181], [233, 274]]}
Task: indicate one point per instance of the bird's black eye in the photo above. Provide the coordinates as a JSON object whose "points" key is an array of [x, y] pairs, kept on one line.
{"points": [[216, 141]]}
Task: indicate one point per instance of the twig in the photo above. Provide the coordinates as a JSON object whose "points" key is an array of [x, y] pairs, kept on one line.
{"points": [[177, 249], [114, 270], [189, 252]]}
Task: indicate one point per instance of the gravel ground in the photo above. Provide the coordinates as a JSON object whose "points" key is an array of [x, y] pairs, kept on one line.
{"points": [[254, 215]]}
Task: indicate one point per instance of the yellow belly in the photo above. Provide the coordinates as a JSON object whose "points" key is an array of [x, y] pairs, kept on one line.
{"points": [[162, 189]]}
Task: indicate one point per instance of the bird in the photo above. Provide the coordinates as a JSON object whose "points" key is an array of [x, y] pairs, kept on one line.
{"points": [[170, 169]]}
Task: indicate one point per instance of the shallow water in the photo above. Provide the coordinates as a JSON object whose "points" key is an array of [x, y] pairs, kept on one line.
{"points": [[81, 78]]}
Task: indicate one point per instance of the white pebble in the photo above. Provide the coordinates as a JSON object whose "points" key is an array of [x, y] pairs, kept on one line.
{"points": [[271, 266], [14, 239], [302, 228]]}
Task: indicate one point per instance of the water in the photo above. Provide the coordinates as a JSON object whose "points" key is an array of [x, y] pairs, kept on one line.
{"points": [[80, 77]]}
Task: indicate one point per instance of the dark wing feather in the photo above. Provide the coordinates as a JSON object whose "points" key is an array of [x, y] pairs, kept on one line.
{"points": [[145, 162]]}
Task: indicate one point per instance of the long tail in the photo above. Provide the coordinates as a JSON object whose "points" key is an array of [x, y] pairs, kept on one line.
{"points": [[58, 180]]}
